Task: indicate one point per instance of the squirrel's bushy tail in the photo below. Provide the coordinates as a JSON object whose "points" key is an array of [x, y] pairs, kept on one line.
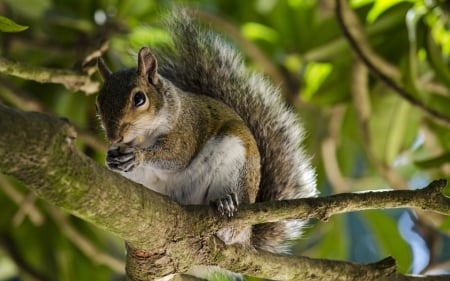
{"points": [[202, 62]]}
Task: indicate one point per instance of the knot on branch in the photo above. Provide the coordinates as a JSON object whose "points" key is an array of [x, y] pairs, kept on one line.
{"points": [[436, 186], [387, 264]]}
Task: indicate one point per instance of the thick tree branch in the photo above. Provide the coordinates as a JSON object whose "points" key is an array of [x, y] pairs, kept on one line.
{"points": [[39, 150], [70, 79], [41, 153]]}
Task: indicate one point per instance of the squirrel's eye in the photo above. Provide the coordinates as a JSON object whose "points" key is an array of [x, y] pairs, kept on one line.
{"points": [[139, 99]]}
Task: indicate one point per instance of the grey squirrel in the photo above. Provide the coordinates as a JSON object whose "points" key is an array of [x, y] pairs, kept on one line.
{"points": [[192, 123]]}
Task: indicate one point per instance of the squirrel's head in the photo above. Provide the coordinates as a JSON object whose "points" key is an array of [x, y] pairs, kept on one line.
{"points": [[129, 100]]}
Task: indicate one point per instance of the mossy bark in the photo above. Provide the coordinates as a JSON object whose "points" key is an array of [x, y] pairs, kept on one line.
{"points": [[164, 237]]}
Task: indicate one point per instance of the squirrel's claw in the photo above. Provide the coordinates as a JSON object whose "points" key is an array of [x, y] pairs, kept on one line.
{"points": [[124, 162], [228, 204]]}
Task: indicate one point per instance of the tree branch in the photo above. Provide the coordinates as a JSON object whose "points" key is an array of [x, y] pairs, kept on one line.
{"points": [[72, 80], [42, 155], [429, 198]]}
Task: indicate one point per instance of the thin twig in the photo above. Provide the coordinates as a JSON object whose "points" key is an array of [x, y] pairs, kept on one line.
{"points": [[328, 151], [25, 208], [341, 11], [84, 244], [24, 101], [362, 105], [33, 213]]}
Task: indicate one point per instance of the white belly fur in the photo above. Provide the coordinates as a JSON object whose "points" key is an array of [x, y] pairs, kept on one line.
{"points": [[215, 170]]}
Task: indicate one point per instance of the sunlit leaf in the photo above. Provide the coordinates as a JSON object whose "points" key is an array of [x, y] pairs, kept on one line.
{"points": [[442, 36], [7, 25], [413, 17], [293, 63], [437, 20], [437, 60], [146, 36], [380, 7], [314, 76], [256, 31], [360, 3]]}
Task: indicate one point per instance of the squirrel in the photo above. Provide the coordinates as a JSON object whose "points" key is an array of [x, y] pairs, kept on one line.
{"points": [[192, 123]]}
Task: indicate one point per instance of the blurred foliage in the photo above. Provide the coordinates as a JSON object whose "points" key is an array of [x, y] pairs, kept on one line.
{"points": [[362, 135]]}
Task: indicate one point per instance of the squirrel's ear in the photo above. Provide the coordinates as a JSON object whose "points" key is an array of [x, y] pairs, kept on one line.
{"points": [[103, 69], [147, 65]]}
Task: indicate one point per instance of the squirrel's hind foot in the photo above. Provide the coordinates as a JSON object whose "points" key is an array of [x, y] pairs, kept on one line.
{"points": [[227, 205]]}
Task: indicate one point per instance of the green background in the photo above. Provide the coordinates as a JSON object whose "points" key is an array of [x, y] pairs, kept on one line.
{"points": [[300, 46]]}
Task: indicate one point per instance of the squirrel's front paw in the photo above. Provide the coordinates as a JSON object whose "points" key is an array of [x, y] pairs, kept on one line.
{"points": [[123, 160], [228, 204]]}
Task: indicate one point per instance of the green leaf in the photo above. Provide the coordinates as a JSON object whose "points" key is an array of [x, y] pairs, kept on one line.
{"points": [[147, 36], [385, 230], [31, 9], [441, 133], [380, 7], [445, 225], [134, 8], [439, 103], [314, 76], [7, 25], [77, 114], [413, 17], [437, 60], [434, 162], [335, 230], [256, 31], [394, 125]]}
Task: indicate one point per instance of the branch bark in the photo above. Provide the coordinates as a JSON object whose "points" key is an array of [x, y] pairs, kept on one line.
{"points": [[42, 155], [70, 79]]}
